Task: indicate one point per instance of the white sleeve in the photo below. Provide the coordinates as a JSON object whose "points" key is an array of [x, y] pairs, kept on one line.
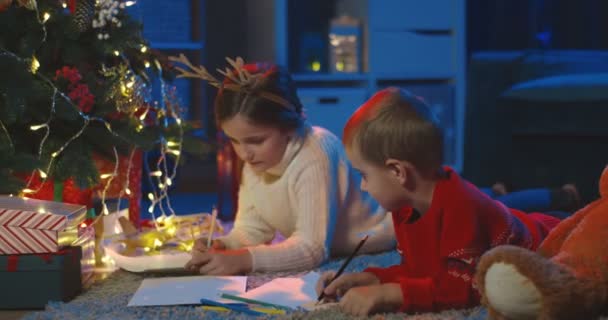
{"points": [[315, 201], [249, 228]]}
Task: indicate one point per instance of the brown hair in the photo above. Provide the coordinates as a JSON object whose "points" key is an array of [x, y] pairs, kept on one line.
{"points": [[396, 124], [253, 103]]}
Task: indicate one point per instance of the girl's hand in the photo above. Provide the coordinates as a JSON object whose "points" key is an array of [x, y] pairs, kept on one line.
{"points": [[226, 262], [201, 245]]}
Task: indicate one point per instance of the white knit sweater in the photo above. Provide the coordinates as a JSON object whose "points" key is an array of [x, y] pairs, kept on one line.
{"points": [[312, 198]]}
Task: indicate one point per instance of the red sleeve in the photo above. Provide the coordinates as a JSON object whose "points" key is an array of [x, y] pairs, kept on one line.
{"points": [[388, 275], [451, 284]]}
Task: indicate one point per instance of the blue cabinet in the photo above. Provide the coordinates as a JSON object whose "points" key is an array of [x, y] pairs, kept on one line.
{"points": [[413, 44]]}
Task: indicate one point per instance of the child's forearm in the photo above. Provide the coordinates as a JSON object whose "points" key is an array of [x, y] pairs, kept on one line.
{"points": [[393, 296]]}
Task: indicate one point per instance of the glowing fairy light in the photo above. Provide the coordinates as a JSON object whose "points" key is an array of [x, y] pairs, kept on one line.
{"points": [[172, 144], [130, 3], [168, 182], [26, 191], [157, 173], [151, 196], [54, 154], [174, 152], [116, 53], [35, 65], [38, 127], [42, 174], [143, 49], [143, 115], [128, 191], [147, 64], [83, 225], [105, 175], [45, 17], [105, 210], [64, 5]]}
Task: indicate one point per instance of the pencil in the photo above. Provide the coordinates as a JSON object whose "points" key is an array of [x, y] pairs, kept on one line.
{"points": [[252, 301], [341, 270], [213, 217]]}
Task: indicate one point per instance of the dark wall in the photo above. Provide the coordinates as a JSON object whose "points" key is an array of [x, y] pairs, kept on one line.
{"points": [[521, 24]]}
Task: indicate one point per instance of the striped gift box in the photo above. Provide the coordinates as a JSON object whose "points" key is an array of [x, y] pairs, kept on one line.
{"points": [[37, 226]]}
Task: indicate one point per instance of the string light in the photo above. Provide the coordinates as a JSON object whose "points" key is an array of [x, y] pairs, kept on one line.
{"points": [[143, 49], [116, 53], [8, 136], [147, 64], [64, 5], [42, 174], [157, 173], [38, 127], [35, 65], [129, 3], [45, 17]]}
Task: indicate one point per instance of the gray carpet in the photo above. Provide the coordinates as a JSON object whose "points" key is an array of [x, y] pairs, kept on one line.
{"points": [[108, 300]]}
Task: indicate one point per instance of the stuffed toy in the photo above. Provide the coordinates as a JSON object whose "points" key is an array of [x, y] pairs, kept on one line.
{"points": [[567, 278]]}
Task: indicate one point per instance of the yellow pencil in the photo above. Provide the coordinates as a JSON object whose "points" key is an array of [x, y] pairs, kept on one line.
{"points": [[214, 308]]}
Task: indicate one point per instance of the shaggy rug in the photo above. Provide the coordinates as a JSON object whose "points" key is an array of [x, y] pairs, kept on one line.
{"points": [[108, 300]]}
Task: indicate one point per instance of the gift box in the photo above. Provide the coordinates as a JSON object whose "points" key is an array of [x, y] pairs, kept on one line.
{"points": [[38, 226], [31, 281]]}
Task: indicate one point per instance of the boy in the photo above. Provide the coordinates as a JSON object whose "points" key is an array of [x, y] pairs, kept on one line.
{"points": [[443, 224]]}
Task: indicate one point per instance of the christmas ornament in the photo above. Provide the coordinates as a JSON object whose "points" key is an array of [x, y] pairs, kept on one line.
{"points": [[106, 16], [83, 15]]}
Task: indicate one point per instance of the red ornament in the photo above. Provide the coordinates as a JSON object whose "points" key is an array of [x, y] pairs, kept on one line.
{"points": [[72, 5]]}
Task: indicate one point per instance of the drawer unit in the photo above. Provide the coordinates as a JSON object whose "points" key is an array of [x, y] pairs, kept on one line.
{"points": [[411, 53], [411, 14], [330, 108]]}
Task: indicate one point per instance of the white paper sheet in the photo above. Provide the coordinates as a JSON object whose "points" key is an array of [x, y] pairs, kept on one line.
{"points": [[288, 292], [185, 290]]}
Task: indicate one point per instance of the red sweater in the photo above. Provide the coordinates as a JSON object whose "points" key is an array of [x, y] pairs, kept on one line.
{"points": [[441, 248]]}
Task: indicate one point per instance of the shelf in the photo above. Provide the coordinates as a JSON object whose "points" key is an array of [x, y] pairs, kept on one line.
{"points": [[177, 45], [330, 77], [418, 76]]}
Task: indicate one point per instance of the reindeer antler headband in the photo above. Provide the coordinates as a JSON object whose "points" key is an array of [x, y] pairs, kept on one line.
{"points": [[242, 80]]}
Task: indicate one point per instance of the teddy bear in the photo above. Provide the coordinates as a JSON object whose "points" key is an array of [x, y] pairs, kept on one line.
{"points": [[567, 278]]}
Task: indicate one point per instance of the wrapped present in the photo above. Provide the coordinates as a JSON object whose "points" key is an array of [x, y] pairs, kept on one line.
{"points": [[31, 281], [88, 243], [38, 226], [128, 176], [62, 191]]}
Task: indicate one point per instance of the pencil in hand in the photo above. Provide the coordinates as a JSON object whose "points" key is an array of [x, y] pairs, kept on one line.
{"points": [[344, 265], [213, 217]]}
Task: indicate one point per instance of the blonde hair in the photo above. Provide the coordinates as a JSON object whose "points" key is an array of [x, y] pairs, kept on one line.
{"points": [[396, 124]]}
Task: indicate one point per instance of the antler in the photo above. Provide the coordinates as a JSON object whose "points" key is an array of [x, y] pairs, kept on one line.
{"points": [[199, 72], [241, 78]]}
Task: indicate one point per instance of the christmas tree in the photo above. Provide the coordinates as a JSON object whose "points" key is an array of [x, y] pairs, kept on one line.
{"points": [[75, 84]]}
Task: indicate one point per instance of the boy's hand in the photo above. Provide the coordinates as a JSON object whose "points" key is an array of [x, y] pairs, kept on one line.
{"points": [[361, 301], [201, 245], [227, 262], [341, 285]]}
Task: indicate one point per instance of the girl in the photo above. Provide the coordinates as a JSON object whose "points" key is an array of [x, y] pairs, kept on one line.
{"points": [[296, 180]]}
